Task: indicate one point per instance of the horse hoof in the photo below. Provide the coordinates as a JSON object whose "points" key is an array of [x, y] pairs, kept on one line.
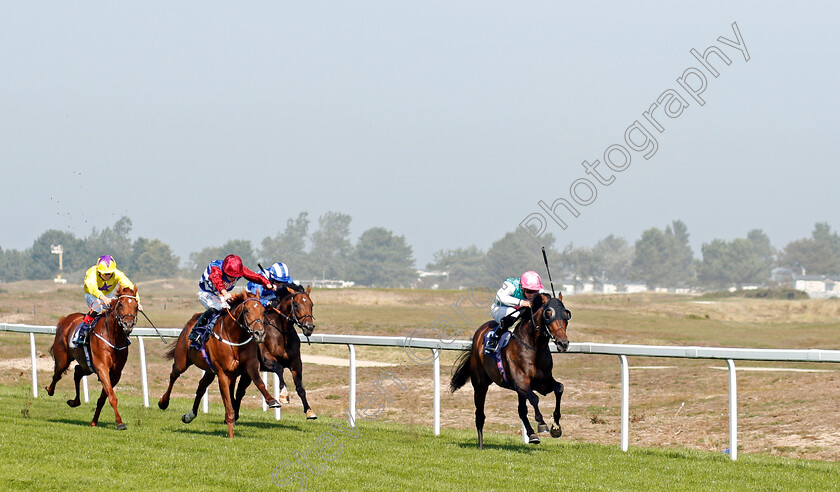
{"points": [[272, 403], [556, 431], [542, 429], [310, 415], [187, 417], [284, 395], [533, 439], [163, 405], [121, 427], [47, 388], [73, 403]]}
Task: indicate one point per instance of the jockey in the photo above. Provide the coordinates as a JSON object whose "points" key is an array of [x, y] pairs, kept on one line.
{"points": [[100, 283], [278, 273], [216, 281], [515, 293]]}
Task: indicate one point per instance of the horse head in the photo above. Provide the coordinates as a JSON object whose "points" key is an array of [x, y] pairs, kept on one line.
{"points": [[248, 311], [551, 315], [124, 308], [301, 305]]}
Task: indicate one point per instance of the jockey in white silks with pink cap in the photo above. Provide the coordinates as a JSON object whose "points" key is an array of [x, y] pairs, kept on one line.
{"points": [[515, 293]]}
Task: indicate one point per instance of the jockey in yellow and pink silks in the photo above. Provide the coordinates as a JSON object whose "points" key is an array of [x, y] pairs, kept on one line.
{"points": [[100, 283]]}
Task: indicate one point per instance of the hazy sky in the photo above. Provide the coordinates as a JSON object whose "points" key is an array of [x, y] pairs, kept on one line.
{"points": [[445, 122]]}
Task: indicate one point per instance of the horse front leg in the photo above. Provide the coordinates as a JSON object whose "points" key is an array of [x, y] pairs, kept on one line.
{"points": [[224, 388], [253, 371], [534, 400], [109, 393], [297, 374], [558, 395], [203, 383]]}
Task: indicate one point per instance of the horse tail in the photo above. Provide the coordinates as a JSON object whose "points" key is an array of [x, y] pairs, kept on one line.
{"points": [[463, 372], [170, 352]]}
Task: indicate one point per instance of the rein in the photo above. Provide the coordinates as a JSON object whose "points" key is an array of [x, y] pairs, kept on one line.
{"points": [[247, 328]]}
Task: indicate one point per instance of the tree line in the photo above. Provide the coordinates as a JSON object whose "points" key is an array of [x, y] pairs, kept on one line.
{"points": [[380, 258]]}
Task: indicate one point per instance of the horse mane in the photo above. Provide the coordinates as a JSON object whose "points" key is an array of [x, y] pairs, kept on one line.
{"points": [[241, 297]]}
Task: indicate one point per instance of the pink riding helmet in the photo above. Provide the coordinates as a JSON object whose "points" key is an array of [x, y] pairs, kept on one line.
{"points": [[531, 281]]}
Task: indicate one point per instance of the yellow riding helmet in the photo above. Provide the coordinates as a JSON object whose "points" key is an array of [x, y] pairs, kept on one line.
{"points": [[106, 264]]}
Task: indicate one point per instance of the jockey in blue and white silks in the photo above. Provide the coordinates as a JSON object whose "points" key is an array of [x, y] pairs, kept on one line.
{"points": [[277, 272]]}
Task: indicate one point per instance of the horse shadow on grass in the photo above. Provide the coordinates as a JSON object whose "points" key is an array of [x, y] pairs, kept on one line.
{"points": [[81, 422], [517, 448]]}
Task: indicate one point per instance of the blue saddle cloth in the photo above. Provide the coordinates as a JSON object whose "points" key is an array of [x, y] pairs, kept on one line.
{"points": [[203, 332], [497, 354]]}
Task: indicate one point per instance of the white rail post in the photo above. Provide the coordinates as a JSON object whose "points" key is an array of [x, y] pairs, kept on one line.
{"points": [[276, 395], [205, 400], [733, 411], [436, 353], [143, 374], [264, 404], [625, 403], [85, 389], [34, 355], [352, 384]]}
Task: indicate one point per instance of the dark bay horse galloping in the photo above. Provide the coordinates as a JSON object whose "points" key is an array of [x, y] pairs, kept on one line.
{"points": [[281, 348], [108, 342], [232, 350], [526, 361]]}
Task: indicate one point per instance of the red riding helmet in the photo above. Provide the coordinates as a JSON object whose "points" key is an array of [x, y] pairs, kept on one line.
{"points": [[232, 266]]}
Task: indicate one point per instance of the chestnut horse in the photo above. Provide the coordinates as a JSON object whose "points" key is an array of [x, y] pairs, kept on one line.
{"points": [[526, 361], [281, 348], [232, 350], [108, 341]]}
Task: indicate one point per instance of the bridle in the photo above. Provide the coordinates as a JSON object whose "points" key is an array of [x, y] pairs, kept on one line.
{"points": [[294, 318], [244, 325]]}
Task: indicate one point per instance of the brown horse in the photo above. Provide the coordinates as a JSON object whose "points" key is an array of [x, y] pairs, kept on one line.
{"points": [[108, 350], [281, 348], [526, 361], [232, 350]]}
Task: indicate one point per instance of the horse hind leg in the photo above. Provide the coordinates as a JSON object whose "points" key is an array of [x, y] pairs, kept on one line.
{"points": [[203, 383], [244, 382], [62, 362], [179, 365], [479, 396]]}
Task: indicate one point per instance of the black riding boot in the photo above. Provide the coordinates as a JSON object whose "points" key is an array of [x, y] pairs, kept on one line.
{"points": [[201, 324], [81, 337], [496, 334]]}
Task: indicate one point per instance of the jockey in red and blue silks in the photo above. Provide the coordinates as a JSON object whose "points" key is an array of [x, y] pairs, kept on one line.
{"points": [[514, 294], [278, 273], [218, 278]]}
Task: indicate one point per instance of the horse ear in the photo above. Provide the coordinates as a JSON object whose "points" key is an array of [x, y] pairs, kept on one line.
{"points": [[308, 289], [559, 295], [291, 290]]}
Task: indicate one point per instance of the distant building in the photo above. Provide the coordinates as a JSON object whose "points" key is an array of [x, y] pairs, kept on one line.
{"points": [[818, 286]]}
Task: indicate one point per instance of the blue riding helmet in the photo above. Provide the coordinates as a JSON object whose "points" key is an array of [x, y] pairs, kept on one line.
{"points": [[279, 272]]}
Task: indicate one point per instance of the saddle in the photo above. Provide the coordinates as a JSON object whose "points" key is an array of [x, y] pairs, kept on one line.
{"points": [[504, 338], [200, 334]]}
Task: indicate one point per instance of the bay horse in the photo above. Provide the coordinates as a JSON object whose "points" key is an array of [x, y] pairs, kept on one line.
{"points": [[108, 342], [526, 361], [231, 350], [281, 347]]}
